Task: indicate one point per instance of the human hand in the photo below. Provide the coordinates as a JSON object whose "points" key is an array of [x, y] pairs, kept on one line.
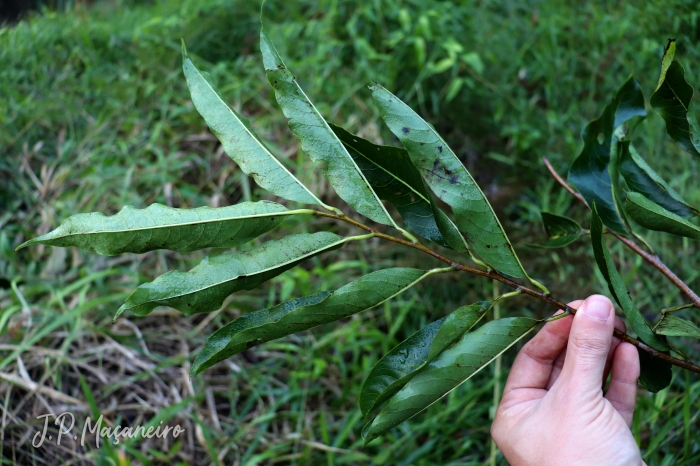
{"points": [[553, 411]]}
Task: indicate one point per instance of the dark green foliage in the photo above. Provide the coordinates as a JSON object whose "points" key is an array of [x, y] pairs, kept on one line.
{"points": [[654, 217], [560, 230]]}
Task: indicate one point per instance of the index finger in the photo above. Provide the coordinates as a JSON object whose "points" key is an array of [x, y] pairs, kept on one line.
{"points": [[533, 365]]}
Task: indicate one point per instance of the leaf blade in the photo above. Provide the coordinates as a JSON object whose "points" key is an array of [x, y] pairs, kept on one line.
{"points": [[162, 227], [652, 216], [239, 141], [318, 140], [617, 286], [561, 230], [204, 288], [392, 175], [450, 181], [453, 367], [590, 171], [641, 178], [305, 313], [673, 326], [672, 99], [400, 364]]}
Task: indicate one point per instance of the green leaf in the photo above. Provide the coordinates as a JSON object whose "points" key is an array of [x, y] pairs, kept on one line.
{"points": [[305, 313], [673, 326], [392, 175], [672, 100], [318, 140], [640, 177], [655, 373], [560, 230], [161, 227], [204, 288], [654, 217], [239, 140], [451, 182], [450, 369], [590, 171], [617, 286], [400, 364]]}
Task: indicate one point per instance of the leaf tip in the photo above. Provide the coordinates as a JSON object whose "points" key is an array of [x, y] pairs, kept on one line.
{"points": [[25, 244]]}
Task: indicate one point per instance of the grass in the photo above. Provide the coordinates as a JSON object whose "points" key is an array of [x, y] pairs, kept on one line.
{"points": [[96, 114]]}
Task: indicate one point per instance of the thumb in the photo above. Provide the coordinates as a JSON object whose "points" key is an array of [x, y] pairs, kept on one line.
{"points": [[589, 344]]}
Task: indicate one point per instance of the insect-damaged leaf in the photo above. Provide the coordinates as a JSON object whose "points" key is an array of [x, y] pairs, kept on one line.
{"points": [[305, 313], [673, 326], [672, 100], [450, 369], [654, 217], [400, 364], [641, 178], [318, 140], [395, 179], [590, 171], [451, 182], [654, 372], [239, 140], [161, 227], [560, 230], [204, 288]]}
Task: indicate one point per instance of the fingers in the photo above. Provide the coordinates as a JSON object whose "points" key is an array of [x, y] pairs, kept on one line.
{"points": [[620, 325], [533, 365], [622, 393], [589, 344], [559, 362]]}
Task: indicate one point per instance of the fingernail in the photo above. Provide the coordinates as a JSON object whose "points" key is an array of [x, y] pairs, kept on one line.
{"points": [[598, 307]]}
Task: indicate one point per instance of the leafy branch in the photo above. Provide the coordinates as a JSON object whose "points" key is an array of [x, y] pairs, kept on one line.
{"points": [[372, 179]]}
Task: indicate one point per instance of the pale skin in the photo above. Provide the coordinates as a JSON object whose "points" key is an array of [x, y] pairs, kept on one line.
{"points": [[554, 411]]}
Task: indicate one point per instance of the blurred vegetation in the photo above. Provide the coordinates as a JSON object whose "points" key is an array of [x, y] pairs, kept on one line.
{"points": [[95, 114]]}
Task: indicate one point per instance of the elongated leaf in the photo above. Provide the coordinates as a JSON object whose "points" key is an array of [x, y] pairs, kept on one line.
{"points": [[318, 140], [673, 326], [590, 171], [161, 227], [400, 364], [392, 175], [451, 182], [239, 140], [450, 369], [672, 100], [560, 230], [617, 286], [204, 288], [305, 313], [655, 373], [641, 178], [654, 217]]}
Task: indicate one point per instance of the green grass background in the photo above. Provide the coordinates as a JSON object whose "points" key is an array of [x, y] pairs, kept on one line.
{"points": [[95, 114]]}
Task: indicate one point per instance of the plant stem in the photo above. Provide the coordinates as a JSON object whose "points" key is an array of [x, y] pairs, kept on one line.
{"points": [[494, 275], [653, 259]]}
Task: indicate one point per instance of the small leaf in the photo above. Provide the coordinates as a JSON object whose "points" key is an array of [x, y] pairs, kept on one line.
{"points": [[640, 177], [161, 227], [318, 140], [395, 179], [450, 369], [672, 100], [589, 172], [451, 182], [204, 288], [617, 286], [305, 313], [560, 230], [239, 140], [400, 364], [655, 373], [673, 326], [654, 217]]}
